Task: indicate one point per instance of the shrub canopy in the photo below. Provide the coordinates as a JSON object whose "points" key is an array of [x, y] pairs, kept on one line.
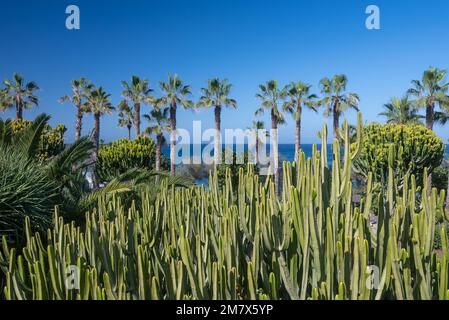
{"points": [[122, 155], [414, 148]]}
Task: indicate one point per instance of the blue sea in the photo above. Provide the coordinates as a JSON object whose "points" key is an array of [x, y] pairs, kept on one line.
{"points": [[286, 151]]}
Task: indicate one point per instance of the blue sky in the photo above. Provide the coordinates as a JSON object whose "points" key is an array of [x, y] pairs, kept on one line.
{"points": [[246, 41]]}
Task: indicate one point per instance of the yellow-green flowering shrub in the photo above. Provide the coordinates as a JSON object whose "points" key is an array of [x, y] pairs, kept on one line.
{"points": [[415, 148], [51, 142], [124, 154]]}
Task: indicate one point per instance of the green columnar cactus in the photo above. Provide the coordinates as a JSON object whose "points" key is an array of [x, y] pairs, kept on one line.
{"points": [[245, 242]]}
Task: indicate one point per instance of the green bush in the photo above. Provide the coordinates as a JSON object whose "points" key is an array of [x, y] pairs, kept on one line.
{"points": [[239, 161], [415, 148], [439, 178], [51, 142], [122, 155]]}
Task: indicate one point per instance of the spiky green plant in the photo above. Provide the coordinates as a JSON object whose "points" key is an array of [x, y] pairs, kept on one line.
{"points": [[311, 242]]}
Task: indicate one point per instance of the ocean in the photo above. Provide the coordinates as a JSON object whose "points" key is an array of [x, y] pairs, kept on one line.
{"points": [[286, 151]]}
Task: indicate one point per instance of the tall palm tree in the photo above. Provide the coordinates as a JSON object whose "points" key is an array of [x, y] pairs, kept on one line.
{"points": [[80, 91], [256, 127], [270, 96], [337, 100], [125, 116], [20, 94], [298, 94], [99, 104], [137, 92], [159, 123], [401, 111], [217, 94], [174, 95], [430, 92]]}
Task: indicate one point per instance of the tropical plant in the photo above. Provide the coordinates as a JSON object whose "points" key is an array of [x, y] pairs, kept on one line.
{"points": [[430, 92], [401, 111], [80, 91], [298, 94], [29, 187], [137, 92], [98, 103], [125, 116], [246, 243], [416, 148], [122, 155], [336, 100], [158, 119], [175, 94], [19, 94], [51, 142], [270, 96], [217, 95]]}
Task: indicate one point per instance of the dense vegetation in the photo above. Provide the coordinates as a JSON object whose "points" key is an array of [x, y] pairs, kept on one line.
{"points": [[415, 148], [311, 243], [367, 226], [121, 155]]}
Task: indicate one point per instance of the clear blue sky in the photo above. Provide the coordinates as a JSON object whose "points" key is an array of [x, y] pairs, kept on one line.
{"points": [[246, 41]]}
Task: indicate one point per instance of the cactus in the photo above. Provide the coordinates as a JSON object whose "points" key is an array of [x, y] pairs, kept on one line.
{"points": [[246, 242]]}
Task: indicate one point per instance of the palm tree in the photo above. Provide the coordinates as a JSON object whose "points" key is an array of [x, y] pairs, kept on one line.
{"points": [[20, 94], [429, 92], [336, 99], [174, 94], [298, 95], [400, 111], [270, 97], [98, 103], [158, 119], [217, 94], [256, 127], [80, 90], [137, 92], [125, 116]]}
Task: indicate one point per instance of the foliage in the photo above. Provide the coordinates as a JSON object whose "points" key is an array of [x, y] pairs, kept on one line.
{"points": [[231, 164], [26, 188], [123, 154], [51, 142], [440, 178], [248, 243], [415, 148], [401, 111], [430, 91], [20, 94]]}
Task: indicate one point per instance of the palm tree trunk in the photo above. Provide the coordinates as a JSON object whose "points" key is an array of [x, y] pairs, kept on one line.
{"points": [[129, 132], [158, 152], [298, 131], [96, 136], [256, 156], [274, 146], [430, 115], [217, 142], [172, 136], [447, 193], [79, 123], [19, 110], [336, 122], [137, 118]]}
